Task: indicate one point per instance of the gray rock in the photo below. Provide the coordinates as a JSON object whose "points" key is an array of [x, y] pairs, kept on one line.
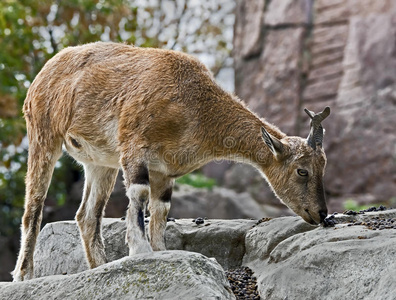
{"points": [[221, 239], [271, 92], [59, 249], [219, 203], [245, 178], [251, 20], [366, 109], [288, 12], [365, 217], [344, 59], [159, 275], [292, 258], [262, 239]]}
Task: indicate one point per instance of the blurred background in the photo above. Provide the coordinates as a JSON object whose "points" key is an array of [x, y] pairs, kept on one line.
{"points": [[279, 56]]}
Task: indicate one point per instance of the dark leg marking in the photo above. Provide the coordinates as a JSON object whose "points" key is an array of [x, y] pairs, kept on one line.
{"points": [[166, 195], [140, 219], [142, 176], [24, 264], [33, 218]]}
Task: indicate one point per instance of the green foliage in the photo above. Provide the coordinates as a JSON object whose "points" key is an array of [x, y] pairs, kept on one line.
{"points": [[32, 31], [351, 204], [197, 180]]}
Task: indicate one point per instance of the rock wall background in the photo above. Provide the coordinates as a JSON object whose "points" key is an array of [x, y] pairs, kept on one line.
{"points": [[291, 54]]}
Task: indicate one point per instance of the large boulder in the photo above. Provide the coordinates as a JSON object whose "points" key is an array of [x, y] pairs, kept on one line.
{"points": [[59, 248], [294, 54], [217, 202], [159, 275], [289, 257], [292, 258], [222, 239]]}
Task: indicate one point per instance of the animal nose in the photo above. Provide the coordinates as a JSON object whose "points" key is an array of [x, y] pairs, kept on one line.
{"points": [[322, 215]]}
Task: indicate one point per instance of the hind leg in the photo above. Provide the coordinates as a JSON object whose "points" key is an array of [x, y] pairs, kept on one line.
{"points": [[99, 183], [137, 184], [159, 206], [41, 163]]}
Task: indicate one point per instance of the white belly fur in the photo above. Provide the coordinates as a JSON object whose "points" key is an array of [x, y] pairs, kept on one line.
{"points": [[101, 152]]}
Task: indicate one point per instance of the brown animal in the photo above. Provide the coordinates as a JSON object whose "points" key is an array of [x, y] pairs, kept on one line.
{"points": [[157, 115]]}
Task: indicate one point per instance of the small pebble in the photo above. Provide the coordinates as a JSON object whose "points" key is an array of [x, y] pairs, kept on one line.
{"points": [[199, 221], [243, 283], [263, 220], [376, 223], [329, 221]]}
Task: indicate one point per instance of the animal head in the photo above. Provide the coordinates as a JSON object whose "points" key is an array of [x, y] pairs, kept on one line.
{"points": [[296, 172]]}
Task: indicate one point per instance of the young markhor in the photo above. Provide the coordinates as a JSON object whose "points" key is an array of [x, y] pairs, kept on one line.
{"points": [[157, 115]]}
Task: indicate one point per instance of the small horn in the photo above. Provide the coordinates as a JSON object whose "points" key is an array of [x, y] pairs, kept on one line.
{"points": [[315, 137]]}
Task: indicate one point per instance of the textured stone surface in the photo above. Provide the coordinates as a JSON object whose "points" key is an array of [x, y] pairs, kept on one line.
{"points": [[59, 249], [160, 275], [247, 28], [243, 178], [221, 239], [289, 258], [366, 104], [325, 72], [219, 203], [288, 12], [292, 258], [272, 89], [328, 12], [345, 59]]}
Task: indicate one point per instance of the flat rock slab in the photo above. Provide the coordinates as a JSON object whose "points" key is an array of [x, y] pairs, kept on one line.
{"points": [[159, 275], [59, 249], [293, 259], [221, 239]]}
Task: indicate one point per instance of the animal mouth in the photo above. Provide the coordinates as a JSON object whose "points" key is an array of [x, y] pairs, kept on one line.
{"points": [[310, 220]]}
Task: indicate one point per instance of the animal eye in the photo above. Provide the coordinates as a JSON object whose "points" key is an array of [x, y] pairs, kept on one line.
{"points": [[302, 172]]}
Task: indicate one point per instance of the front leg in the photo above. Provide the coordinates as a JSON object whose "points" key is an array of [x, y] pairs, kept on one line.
{"points": [[159, 206], [138, 190]]}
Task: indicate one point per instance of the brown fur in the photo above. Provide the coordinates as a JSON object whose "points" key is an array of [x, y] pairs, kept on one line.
{"points": [[157, 114]]}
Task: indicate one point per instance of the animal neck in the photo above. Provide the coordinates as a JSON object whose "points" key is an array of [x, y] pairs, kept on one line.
{"points": [[241, 138]]}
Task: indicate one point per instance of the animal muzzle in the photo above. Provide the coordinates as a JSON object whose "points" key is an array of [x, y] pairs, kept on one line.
{"points": [[323, 215], [315, 217]]}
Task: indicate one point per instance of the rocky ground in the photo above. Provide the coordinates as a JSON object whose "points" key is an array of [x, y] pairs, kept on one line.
{"points": [[374, 223], [279, 258], [243, 283], [292, 54]]}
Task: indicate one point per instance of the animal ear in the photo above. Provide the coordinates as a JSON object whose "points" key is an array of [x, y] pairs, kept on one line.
{"points": [[275, 145]]}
